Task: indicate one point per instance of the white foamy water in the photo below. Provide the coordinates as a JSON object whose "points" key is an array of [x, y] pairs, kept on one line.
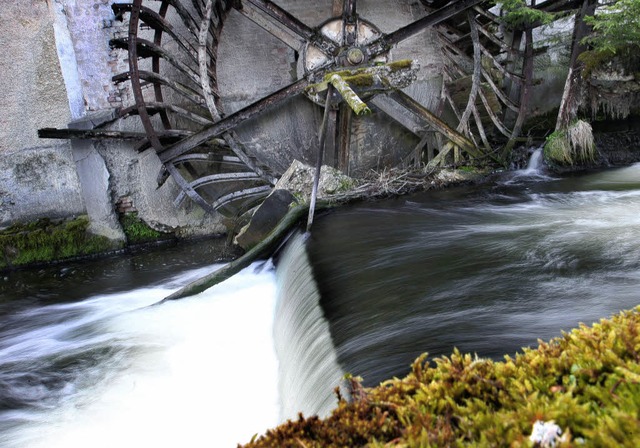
{"points": [[111, 372]]}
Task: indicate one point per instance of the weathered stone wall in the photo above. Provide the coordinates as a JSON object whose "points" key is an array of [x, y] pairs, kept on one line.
{"points": [[57, 68], [37, 177], [33, 91]]}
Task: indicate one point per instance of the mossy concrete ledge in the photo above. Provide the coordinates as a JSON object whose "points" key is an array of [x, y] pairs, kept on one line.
{"points": [[45, 241], [580, 389]]}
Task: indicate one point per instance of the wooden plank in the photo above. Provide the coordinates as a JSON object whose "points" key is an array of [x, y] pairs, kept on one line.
{"points": [[322, 136], [525, 94], [267, 23], [386, 42], [400, 114], [350, 18], [494, 118], [147, 49], [463, 125], [191, 94], [252, 164], [438, 124], [331, 144], [215, 179], [241, 194], [344, 138], [156, 22], [98, 134], [513, 76], [440, 159], [231, 121], [294, 25]]}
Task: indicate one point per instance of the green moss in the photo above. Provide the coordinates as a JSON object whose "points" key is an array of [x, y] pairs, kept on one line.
{"points": [[594, 59], [360, 80], [468, 169], [557, 148], [401, 64], [45, 241], [137, 231], [575, 144], [587, 382]]}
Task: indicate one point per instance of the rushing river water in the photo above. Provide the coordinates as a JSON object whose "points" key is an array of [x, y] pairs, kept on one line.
{"points": [[488, 270], [84, 361]]}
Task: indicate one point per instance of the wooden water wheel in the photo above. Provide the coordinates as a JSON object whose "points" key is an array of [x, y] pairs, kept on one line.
{"points": [[221, 87]]}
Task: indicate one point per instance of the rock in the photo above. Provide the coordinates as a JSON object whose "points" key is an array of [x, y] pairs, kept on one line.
{"points": [[298, 179], [265, 218], [293, 187]]}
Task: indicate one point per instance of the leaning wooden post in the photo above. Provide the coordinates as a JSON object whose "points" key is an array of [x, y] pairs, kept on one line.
{"points": [[323, 138], [264, 249], [358, 106]]}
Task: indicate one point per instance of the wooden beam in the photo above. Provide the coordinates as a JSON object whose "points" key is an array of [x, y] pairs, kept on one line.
{"points": [[386, 42], [267, 23], [438, 124], [98, 134], [231, 121]]}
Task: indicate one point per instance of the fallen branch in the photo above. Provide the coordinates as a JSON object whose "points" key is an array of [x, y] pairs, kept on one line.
{"points": [[263, 249]]}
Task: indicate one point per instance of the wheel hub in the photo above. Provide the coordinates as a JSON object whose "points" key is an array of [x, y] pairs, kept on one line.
{"points": [[352, 39], [355, 56]]}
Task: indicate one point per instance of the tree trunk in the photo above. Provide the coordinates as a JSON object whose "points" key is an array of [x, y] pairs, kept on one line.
{"points": [[573, 86]]}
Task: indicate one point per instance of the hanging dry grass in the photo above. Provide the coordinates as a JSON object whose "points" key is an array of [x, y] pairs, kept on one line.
{"points": [[576, 144], [581, 138]]}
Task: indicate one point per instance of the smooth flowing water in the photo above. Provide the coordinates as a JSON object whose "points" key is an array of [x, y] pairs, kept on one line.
{"points": [[488, 270], [84, 361]]}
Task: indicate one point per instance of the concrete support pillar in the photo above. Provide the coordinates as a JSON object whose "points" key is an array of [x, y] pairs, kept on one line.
{"points": [[94, 182]]}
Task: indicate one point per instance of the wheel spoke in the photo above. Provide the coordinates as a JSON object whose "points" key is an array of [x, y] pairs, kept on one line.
{"points": [[350, 22], [233, 120], [288, 25], [446, 12], [428, 118], [343, 137], [266, 22]]}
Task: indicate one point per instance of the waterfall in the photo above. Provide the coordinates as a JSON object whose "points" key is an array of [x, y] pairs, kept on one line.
{"points": [[536, 162], [309, 370], [534, 171], [110, 371]]}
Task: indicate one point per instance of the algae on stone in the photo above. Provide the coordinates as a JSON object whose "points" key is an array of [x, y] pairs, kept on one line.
{"points": [[45, 241]]}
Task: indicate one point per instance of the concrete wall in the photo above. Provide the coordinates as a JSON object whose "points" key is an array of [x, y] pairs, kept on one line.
{"points": [[37, 177], [57, 70]]}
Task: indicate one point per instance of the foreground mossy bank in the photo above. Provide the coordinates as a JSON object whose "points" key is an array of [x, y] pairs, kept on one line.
{"points": [[582, 389]]}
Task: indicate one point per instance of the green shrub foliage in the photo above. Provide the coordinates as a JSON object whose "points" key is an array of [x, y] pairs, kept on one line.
{"points": [[587, 382], [616, 34], [516, 14]]}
